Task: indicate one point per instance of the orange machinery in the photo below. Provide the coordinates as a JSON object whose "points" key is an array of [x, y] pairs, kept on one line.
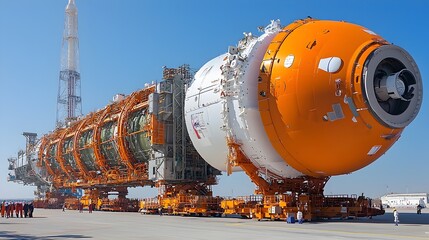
{"points": [[111, 149], [291, 108], [93, 152], [300, 104]]}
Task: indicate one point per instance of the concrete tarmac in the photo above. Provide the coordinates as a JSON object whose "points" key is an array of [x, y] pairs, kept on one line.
{"points": [[51, 224]]}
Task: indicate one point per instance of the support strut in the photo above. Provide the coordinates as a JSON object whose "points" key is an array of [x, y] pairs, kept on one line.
{"points": [[282, 198]]}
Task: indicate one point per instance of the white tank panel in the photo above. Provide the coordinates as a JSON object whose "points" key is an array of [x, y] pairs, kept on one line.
{"points": [[222, 102], [248, 127], [202, 114]]}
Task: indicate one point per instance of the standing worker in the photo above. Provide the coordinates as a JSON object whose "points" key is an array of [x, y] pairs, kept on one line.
{"points": [[419, 209], [80, 207], [18, 209], [395, 217], [25, 209], [90, 206], [299, 217], [30, 209], [11, 209], [7, 209], [3, 208]]}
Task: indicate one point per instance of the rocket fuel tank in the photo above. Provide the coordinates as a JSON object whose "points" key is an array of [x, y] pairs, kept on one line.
{"points": [[316, 98]]}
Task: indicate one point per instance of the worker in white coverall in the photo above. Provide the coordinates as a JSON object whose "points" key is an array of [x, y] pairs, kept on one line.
{"points": [[299, 217], [395, 217]]}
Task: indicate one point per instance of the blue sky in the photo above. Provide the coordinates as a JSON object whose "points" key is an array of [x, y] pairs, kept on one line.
{"points": [[124, 44]]}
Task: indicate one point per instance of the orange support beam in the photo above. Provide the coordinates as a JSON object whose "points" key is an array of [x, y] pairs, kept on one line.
{"points": [[76, 153], [59, 156], [101, 162], [43, 155], [122, 131], [237, 158], [139, 98], [304, 184]]}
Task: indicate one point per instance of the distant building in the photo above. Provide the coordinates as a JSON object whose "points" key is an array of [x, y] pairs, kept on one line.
{"points": [[405, 199]]}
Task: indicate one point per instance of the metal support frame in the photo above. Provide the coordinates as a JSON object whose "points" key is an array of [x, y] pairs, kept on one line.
{"points": [[266, 186], [175, 159], [180, 159], [179, 147]]}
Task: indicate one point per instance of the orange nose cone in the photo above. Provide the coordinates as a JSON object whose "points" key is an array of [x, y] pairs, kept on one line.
{"points": [[331, 98]]}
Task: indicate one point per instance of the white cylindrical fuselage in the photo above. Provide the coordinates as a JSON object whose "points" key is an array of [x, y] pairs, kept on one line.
{"points": [[222, 103]]}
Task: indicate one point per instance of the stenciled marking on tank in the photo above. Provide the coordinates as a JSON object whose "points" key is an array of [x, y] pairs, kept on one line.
{"points": [[198, 124]]}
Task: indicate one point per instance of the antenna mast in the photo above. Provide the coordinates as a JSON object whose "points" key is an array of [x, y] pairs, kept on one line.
{"points": [[69, 101]]}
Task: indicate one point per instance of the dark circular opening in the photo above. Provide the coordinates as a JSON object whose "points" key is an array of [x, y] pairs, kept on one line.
{"points": [[385, 96], [392, 86]]}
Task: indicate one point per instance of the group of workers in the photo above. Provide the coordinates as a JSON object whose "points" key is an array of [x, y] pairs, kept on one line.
{"points": [[91, 207], [9, 208]]}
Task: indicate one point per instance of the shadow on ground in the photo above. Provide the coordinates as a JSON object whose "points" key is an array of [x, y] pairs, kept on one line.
{"points": [[404, 218], [15, 236]]}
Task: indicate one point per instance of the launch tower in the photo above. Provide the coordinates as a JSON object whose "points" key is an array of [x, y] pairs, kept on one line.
{"points": [[69, 102]]}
